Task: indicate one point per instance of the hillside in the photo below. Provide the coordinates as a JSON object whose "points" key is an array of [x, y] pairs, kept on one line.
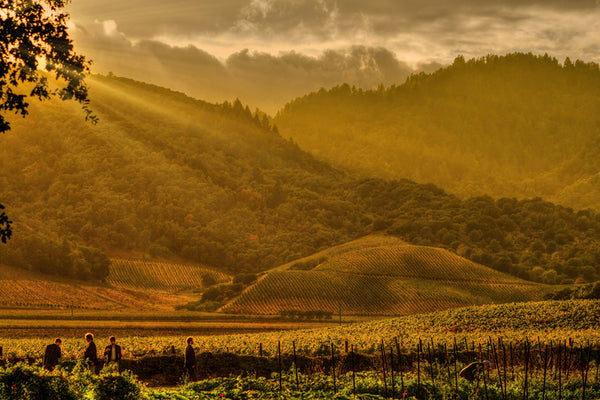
{"points": [[507, 126], [165, 175], [165, 276], [31, 290], [390, 279], [168, 178]]}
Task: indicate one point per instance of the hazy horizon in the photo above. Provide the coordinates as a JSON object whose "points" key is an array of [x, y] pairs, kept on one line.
{"points": [[267, 52]]}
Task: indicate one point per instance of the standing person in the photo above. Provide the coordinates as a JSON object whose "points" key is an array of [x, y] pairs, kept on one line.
{"points": [[190, 360], [52, 355], [112, 352], [91, 354]]}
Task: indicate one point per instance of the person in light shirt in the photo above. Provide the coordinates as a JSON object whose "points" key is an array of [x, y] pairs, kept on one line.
{"points": [[113, 353]]}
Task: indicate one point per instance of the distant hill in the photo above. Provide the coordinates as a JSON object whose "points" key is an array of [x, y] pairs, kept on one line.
{"points": [[390, 279], [168, 178], [517, 125]]}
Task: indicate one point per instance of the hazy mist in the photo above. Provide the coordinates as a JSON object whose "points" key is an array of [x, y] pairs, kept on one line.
{"points": [[267, 52]]}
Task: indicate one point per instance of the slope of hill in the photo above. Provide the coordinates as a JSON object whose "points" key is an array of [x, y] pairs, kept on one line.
{"points": [[25, 289], [382, 280], [171, 277], [166, 175], [174, 178], [515, 125]]}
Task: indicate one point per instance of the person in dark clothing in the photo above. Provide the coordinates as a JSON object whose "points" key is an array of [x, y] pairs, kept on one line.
{"points": [[112, 352], [91, 354], [52, 355], [190, 360], [474, 370]]}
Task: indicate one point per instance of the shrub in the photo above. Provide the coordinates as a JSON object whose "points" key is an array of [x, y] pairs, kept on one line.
{"points": [[22, 382], [114, 386]]}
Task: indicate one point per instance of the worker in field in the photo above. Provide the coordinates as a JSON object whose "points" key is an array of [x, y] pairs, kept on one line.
{"points": [[474, 370], [91, 354], [190, 360], [52, 354], [112, 353]]}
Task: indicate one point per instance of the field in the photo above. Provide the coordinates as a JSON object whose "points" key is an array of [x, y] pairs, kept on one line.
{"points": [[21, 289], [381, 279], [549, 320], [538, 350], [140, 274], [131, 285]]}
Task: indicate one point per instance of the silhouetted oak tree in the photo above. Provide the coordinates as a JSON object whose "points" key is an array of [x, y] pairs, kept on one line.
{"points": [[35, 46]]}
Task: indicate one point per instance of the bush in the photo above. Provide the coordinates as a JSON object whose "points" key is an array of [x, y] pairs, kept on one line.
{"points": [[114, 386], [245, 279], [22, 382]]}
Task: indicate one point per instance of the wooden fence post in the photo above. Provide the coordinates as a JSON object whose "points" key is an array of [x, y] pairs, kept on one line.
{"points": [[392, 372], [383, 366], [296, 365], [280, 368], [353, 371], [333, 368], [545, 369], [400, 367]]}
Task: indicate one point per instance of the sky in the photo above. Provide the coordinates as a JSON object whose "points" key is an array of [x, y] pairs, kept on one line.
{"points": [[267, 52]]}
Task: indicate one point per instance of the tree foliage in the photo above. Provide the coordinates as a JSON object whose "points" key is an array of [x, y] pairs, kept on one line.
{"points": [[34, 42], [514, 125], [35, 45], [178, 178]]}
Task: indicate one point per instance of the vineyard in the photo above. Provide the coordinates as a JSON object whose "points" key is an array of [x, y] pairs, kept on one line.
{"points": [[554, 321], [161, 275], [383, 280], [24, 289], [365, 242], [414, 262], [545, 350]]}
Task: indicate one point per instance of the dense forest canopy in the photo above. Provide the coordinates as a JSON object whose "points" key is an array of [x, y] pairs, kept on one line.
{"points": [[167, 176], [516, 125]]}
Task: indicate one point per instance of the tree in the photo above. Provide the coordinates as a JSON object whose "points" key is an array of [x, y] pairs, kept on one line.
{"points": [[5, 230], [34, 46]]}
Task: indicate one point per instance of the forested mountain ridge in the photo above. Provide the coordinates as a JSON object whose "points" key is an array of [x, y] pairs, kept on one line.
{"points": [[515, 125], [153, 175], [169, 177]]}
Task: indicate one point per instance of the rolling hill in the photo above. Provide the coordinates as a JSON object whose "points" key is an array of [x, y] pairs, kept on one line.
{"points": [[517, 125], [169, 178], [384, 279]]}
